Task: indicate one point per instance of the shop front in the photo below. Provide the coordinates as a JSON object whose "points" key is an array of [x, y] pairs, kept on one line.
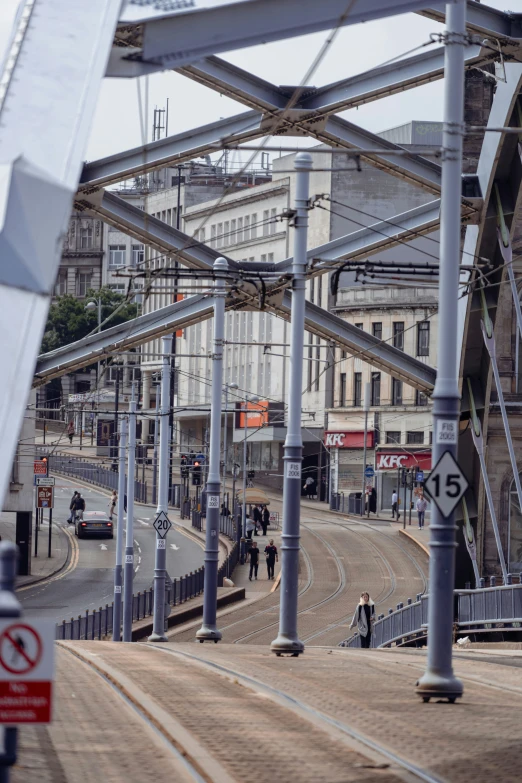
{"points": [[400, 469], [346, 459]]}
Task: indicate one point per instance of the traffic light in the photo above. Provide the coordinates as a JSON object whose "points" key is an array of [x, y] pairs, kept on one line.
{"points": [[196, 474], [184, 466]]}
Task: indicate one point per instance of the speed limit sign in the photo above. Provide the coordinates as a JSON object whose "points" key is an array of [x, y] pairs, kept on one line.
{"points": [[446, 484], [162, 524]]}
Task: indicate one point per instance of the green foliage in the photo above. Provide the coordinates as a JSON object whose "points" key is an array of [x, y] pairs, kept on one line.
{"points": [[68, 320]]}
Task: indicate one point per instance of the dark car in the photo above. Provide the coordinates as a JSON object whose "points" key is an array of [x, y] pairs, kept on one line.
{"points": [[94, 523]]}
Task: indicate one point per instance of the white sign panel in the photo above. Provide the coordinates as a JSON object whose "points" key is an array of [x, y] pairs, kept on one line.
{"points": [[446, 484], [447, 432], [293, 470], [213, 501], [44, 481]]}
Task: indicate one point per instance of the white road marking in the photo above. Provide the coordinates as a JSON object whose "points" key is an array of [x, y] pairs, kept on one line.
{"points": [[139, 559], [136, 569], [102, 547], [174, 547]]}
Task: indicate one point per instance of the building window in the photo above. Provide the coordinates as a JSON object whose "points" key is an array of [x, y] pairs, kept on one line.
{"points": [[398, 335], [246, 228], [226, 237], [116, 256], [396, 392], [118, 289], [86, 237], [266, 218], [201, 235], [240, 229], [423, 338], [393, 437], [377, 330], [232, 232], [60, 287], [220, 235], [273, 226], [358, 326], [376, 388], [253, 226], [83, 283], [420, 398], [213, 236], [357, 388], [342, 390], [112, 371], [138, 255], [413, 438]]}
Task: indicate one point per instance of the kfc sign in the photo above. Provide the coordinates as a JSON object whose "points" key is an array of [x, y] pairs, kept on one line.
{"points": [[347, 440], [392, 460]]}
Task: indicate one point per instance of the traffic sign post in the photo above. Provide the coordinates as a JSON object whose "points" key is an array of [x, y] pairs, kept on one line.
{"points": [[162, 524], [419, 476], [369, 472], [44, 497], [40, 467], [45, 481], [446, 484]]}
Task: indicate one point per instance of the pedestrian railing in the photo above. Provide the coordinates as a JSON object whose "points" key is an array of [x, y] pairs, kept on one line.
{"points": [[197, 519], [92, 473], [481, 611], [98, 623]]}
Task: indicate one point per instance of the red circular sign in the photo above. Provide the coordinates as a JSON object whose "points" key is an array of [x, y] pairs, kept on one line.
{"points": [[20, 649]]}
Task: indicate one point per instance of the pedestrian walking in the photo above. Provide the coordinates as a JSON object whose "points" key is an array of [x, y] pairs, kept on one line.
{"points": [[254, 560], [421, 505], [112, 503], [225, 511], [395, 505], [249, 525], [271, 558], [70, 431], [373, 500], [79, 506], [309, 487], [363, 618], [265, 519], [257, 519], [71, 508]]}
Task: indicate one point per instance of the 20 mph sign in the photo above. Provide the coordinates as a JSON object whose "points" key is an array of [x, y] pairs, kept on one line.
{"points": [[26, 671], [446, 484]]}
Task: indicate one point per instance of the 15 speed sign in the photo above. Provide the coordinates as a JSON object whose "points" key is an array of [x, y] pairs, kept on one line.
{"points": [[446, 484]]}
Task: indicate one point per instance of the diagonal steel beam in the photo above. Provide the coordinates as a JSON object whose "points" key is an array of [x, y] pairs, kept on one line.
{"points": [[180, 37], [172, 150]]}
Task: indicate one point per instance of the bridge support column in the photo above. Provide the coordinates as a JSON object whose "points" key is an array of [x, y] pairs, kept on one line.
{"points": [[439, 680]]}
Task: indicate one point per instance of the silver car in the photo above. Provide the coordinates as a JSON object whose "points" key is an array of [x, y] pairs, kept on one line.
{"points": [[94, 523]]}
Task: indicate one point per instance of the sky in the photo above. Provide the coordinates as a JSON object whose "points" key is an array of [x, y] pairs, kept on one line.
{"points": [[115, 125]]}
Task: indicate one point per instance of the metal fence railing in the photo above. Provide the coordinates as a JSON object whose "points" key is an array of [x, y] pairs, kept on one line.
{"points": [[493, 608], [92, 474], [98, 623]]}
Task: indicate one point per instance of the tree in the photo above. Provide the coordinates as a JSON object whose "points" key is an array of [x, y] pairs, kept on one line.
{"points": [[68, 320]]}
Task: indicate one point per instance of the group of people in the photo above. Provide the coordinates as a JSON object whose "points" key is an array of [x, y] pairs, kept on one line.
{"points": [[421, 504], [76, 507], [260, 519], [271, 559]]}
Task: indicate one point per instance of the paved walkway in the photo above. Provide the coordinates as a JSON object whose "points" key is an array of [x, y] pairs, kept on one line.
{"points": [[42, 566], [229, 714]]}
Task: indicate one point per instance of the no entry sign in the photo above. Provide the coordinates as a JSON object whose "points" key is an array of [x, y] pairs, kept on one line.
{"points": [[26, 671]]}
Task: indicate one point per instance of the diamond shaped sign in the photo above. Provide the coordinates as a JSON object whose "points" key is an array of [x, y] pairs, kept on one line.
{"points": [[446, 484], [162, 524]]}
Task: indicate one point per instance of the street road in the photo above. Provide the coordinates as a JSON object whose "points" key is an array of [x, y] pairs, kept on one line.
{"points": [[89, 585]]}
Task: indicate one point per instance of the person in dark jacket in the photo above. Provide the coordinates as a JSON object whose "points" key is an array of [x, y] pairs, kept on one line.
{"points": [[257, 519], [363, 618], [265, 519], [71, 507], [271, 557], [79, 506], [373, 501], [254, 560]]}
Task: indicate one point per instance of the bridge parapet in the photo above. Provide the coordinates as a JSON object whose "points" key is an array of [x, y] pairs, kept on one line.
{"points": [[484, 611]]}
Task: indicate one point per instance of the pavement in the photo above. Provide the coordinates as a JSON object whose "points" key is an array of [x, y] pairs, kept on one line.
{"points": [[236, 713], [42, 566]]}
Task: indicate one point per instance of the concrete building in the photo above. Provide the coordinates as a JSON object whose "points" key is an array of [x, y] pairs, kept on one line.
{"points": [[82, 257]]}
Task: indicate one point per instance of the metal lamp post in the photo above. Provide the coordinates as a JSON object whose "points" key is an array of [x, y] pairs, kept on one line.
{"points": [[245, 436], [439, 681], [287, 640], [94, 304], [366, 410], [208, 630], [118, 571], [227, 387]]}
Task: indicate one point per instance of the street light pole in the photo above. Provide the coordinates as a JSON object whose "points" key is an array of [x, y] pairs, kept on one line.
{"points": [[208, 630], [158, 633], [129, 535], [439, 681], [118, 581], [287, 640]]}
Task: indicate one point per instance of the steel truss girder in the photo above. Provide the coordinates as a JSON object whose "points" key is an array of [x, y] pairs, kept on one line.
{"points": [[181, 37], [123, 337], [199, 308], [483, 20]]}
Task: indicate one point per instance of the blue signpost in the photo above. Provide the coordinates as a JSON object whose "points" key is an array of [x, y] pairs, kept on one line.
{"points": [[369, 472]]}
